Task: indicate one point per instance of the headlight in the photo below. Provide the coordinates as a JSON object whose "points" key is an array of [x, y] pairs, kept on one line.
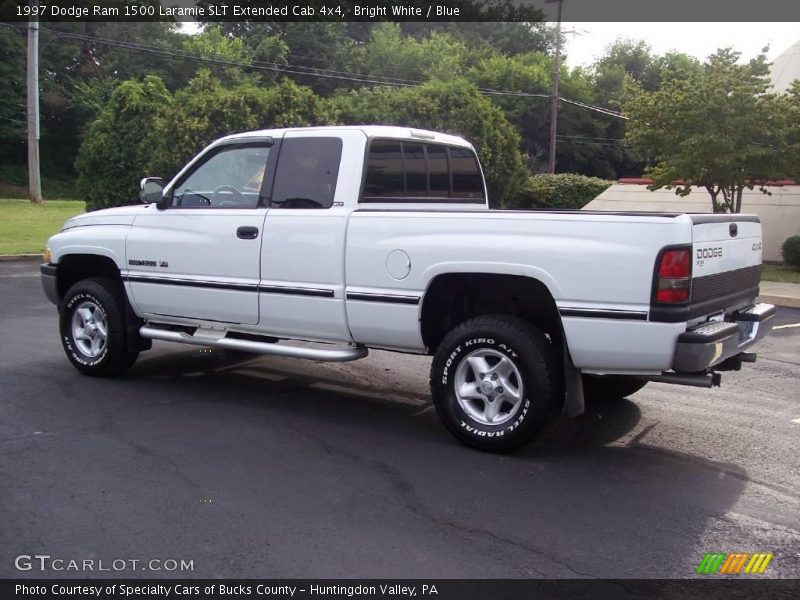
{"points": [[47, 255]]}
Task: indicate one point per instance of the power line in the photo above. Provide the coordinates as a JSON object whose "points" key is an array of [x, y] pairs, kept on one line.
{"points": [[599, 109], [12, 120], [298, 69]]}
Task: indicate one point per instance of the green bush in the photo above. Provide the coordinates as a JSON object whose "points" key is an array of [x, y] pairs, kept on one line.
{"points": [[118, 144], [791, 252], [561, 190], [453, 106]]}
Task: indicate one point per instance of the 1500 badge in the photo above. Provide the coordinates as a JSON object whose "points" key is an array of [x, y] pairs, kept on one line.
{"points": [[133, 262]]}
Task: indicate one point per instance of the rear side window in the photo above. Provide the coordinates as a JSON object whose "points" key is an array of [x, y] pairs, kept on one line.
{"points": [[409, 171], [467, 181], [307, 172]]}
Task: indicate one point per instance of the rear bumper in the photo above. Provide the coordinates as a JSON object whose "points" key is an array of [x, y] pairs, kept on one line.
{"points": [[49, 283], [711, 343]]}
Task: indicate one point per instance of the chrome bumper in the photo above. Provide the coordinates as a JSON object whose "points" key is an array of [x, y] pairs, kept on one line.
{"points": [[49, 283], [711, 343]]}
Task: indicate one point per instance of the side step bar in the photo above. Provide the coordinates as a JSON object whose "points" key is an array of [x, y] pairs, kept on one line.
{"points": [[321, 354]]}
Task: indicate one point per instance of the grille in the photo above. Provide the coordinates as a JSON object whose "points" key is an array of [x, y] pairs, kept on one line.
{"points": [[725, 284]]}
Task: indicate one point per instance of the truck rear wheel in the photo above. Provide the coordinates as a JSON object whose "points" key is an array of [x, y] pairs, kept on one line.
{"points": [[92, 324], [495, 382], [610, 387]]}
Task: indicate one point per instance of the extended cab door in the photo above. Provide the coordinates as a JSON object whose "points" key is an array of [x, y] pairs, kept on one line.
{"points": [[302, 262], [199, 258]]}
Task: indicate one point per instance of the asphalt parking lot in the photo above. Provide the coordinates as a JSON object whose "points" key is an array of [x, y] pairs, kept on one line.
{"points": [[267, 467]]}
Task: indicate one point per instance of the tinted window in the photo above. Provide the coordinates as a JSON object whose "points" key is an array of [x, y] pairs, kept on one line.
{"points": [[467, 181], [307, 172], [416, 169], [385, 170], [439, 173], [231, 177], [411, 171]]}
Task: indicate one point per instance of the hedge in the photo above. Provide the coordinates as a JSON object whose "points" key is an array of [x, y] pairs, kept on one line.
{"points": [[561, 190], [791, 251]]}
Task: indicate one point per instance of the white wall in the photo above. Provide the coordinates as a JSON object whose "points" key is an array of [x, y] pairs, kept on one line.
{"points": [[779, 212]]}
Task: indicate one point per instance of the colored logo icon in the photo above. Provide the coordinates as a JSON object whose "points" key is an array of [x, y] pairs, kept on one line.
{"points": [[721, 563]]}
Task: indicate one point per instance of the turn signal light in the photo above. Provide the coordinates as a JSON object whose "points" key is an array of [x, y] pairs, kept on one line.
{"points": [[674, 276]]}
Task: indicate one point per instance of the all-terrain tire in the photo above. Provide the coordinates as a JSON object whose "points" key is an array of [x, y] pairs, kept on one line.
{"points": [[92, 326], [524, 389]]}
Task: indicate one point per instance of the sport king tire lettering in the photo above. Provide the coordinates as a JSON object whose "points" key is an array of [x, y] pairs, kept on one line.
{"points": [[68, 339], [446, 372]]}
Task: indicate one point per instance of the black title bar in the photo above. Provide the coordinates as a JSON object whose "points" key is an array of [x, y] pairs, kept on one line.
{"points": [[401, 10], [708, 588]]}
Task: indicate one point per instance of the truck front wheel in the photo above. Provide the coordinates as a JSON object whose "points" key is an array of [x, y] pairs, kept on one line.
{"points": [[495, 382], [92, 325]]}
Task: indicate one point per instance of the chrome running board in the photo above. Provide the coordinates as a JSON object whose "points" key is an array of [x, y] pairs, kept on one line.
{"points": [[321, 354]]}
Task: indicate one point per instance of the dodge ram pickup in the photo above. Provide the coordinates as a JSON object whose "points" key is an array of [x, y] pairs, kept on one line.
{"points": [[351, 238]]}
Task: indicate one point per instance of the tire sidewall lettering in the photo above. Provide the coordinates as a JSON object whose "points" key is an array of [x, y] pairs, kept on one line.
{"points": [[454, 359], [75, 354]]}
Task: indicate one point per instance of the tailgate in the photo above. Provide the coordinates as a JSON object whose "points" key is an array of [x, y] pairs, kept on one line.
{"points": [[726, 262]]}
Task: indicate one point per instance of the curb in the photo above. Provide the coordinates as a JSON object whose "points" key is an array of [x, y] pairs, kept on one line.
{"points": [[785, 301], [19, 257]]}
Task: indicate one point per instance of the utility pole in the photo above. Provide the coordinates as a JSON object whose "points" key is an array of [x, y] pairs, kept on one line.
{"points": [[551, 162], [34, 178]]}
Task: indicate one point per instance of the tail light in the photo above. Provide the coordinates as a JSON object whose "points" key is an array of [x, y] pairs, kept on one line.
{"points": [[673, 281]]}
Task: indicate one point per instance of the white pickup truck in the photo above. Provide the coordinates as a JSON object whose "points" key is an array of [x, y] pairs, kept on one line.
{"points": [[381, 237]]}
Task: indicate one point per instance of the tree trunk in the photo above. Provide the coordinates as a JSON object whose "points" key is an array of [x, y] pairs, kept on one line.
{"points": [[714, 192], [739, 192]]}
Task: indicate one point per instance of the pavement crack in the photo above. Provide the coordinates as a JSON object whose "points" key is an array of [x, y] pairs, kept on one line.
{"points": [[145, 451], [709, 465], [414, 504]]}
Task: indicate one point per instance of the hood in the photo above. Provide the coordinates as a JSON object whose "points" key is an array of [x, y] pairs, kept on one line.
{"points": [[122, 215]]}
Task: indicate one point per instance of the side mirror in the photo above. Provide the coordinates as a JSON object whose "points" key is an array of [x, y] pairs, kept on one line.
{"points": [[151, 189]]}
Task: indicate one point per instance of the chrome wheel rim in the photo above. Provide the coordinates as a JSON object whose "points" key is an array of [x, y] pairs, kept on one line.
{"points": [[488, 386], [89, 329]]}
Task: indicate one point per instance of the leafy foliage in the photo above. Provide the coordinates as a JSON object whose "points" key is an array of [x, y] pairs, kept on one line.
{"points": [[226, 79], [714, 127], [208, 109], [452, 107], [791, 251], [561, 190], [118, 144]]}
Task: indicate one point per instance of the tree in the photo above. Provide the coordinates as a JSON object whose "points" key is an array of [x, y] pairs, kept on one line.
{"points": [[453, 106], [715, 127], [791, 111], [118, 144], [207, 109]]}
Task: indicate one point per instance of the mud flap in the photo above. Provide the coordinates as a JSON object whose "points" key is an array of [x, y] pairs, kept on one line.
{"points": [[574, 404], [134, 341]]}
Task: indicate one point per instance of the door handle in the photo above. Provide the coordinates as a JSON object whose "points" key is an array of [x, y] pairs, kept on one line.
{"points": [[247, 233]]}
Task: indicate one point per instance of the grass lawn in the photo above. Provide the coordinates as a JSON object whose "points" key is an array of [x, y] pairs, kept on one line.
{"points": [[780, 273], [25, 227]]}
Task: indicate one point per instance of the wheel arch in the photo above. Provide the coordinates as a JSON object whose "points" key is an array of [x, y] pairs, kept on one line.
{"points": [[73, 267], [452, 298]]}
